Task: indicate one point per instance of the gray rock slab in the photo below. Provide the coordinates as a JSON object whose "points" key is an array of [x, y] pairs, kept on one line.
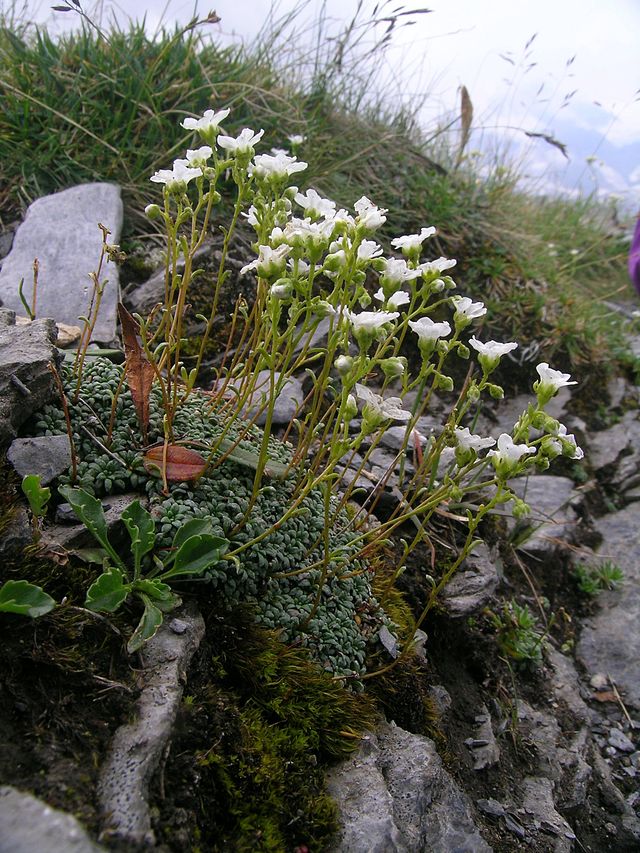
{"points": [[395, 796], [46, 455], [29, 825], [287, 404], [137, 747], [539, 804], [553, 518], [26, 382], [474, 585], [610, 640], [607, 446], [77, 535], [61, 231]]}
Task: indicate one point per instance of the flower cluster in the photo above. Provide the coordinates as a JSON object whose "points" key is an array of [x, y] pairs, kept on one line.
{"points": [[390, 327]]}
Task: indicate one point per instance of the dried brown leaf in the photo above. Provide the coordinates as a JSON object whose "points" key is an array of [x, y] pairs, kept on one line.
{"points": [[138, 369], [182, 463]]}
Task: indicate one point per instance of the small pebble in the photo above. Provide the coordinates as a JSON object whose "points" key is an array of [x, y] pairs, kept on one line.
{"points": [[178, 626], [611, 828], [620, 741], [599, 681]]}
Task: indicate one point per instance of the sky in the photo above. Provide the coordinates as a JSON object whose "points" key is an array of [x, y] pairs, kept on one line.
{"points": [[567, 69]]}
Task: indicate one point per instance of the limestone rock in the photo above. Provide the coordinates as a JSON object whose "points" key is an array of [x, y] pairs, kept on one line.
{"points": [[609, 448], [61, 231], [395, 796], [610, 640], [553, 518], [137, 747], [46, 455], [474, 585], [29, 825], [26, 382], [287, 404]]}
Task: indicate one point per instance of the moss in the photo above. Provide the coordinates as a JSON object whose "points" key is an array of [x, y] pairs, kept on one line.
{"points": [[268, 722]]}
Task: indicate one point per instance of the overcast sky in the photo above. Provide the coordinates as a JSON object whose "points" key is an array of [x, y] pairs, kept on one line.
{"points": [[577, 81]]}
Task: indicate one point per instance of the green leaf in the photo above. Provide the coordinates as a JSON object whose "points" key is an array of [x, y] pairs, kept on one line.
{"points": [[147, 626], [107, 592], [91, 555], [142, 530], [37, 495], [193, 527], [250, 459], [161, 593], [25, 599], [89, 511], [196, 555]]}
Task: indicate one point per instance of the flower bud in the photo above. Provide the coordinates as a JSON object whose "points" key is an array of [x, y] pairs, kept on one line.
{"points": [[394, 367], [343, 365], [153, 211]]}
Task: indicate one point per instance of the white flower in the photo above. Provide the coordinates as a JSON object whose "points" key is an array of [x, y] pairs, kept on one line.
{"points": [[296, 138], [427, 330], [568, 444], [553, 378], [439, 265], [343, 217], [467, 309], [369, 249], [177, 177], [469, 441], [400, 297], [396, 271], [369, 321], [278, 166], [241, 144], [492, 349], [377, 408], [412, 242], [303, 267], [208, 123], [276, 151], [314, 205], [508, 452], [200, 156], [369, 215], [270, 262]]}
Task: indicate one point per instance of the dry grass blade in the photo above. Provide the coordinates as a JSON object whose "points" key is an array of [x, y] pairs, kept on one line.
{"points": [[139, 371], [466, 118]]}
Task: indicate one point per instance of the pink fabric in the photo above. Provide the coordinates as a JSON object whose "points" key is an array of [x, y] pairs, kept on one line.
{"points": [[634, 258]]}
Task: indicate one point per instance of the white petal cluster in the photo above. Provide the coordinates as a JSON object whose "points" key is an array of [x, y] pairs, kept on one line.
{"points": [[369, 249], [553, 378], [509, 452], [369, 215], [369, 321], [396, 272], [412, 242], [468, 309], [209, 122], [241, 144], [178, 176], [269, 261], [275, 166], [400, 297], [427, 330], [198, 157], [492, 349], [469, 441], [315, 205], [437, 266], [389, 409]]}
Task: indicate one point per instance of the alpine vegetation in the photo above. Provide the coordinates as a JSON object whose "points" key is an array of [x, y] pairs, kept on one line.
{"points": [[284, 534]]}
